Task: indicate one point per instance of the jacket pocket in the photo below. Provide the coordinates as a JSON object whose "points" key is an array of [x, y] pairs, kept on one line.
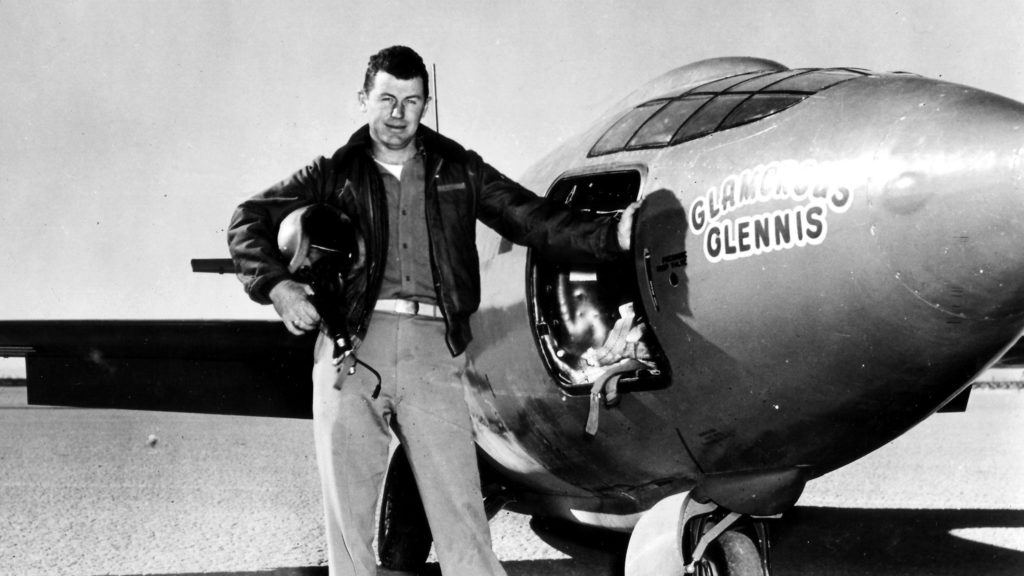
{"points": [[451, 187]]}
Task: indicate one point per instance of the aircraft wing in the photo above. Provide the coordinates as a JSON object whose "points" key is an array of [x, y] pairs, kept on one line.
{"points": [[241, 367], [1014, 357]]}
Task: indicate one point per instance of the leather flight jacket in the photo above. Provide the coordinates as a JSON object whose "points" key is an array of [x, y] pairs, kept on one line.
{"points": [[460, 189]]}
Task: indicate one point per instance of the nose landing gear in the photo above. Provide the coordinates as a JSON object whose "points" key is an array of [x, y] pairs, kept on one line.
{"points": [[722, 549], [682, 536]]}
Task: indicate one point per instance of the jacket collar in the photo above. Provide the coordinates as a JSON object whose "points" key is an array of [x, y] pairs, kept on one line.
{"points": [[434, 144]]}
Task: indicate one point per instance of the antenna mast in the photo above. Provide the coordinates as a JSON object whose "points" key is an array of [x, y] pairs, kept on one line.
{"points": [[437, 122]]}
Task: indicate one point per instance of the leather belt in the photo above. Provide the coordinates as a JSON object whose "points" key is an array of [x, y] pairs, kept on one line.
{"points": [[408, 307]]}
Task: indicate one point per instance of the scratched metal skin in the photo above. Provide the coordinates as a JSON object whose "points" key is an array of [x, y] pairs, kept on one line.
{"points": [[783, 357]]}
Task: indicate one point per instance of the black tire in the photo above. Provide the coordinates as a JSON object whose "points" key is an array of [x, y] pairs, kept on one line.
{"points": [[731, 554], [403, 534]]}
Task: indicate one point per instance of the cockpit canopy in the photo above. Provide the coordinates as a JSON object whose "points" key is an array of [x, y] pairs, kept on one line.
{"points": [[716, 106]]}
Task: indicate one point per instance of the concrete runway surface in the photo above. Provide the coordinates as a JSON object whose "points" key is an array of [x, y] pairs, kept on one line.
{"points": [[103, 492]]}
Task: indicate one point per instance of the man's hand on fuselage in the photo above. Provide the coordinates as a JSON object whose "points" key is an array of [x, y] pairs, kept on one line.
{"points": [[292, 304], [625, 229]]}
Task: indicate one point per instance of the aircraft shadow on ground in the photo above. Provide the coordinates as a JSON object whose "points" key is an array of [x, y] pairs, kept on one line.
{"points": [[839, 541], [807, 541]]}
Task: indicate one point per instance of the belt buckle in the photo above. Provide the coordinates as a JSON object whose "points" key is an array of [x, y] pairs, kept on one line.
{"points": [[408, 307]]}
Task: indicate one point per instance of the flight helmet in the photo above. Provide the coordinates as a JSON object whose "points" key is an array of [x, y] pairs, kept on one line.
{"points": [[317, 232]]}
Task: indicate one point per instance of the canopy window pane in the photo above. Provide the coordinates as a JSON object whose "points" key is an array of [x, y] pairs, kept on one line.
{"points": [[723, 83], [759, 106], [814, 81], [620, 132], [707, 119], [759, 83], [659, 129]]}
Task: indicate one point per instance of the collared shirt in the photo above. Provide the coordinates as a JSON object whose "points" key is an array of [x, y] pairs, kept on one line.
{"points": [[407, 272]]}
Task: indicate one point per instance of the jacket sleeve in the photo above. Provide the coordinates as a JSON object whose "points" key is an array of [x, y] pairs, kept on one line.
{"points": [[554, 229], [252, 233]]}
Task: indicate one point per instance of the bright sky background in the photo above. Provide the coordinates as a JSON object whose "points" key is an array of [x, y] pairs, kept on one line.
{"points": [[130, 129]]}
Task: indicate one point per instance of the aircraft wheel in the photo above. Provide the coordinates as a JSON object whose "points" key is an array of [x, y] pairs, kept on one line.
{"points": [[731, 554], [403, 534]]}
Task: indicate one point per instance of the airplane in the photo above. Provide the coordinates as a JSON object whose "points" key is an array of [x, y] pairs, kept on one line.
{"points": [[822, 258]]}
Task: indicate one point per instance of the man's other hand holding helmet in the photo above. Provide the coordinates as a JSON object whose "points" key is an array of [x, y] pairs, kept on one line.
{"points": [[292, 303]]}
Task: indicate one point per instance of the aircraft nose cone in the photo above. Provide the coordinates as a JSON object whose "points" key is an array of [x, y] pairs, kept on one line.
{"points": [[947, 205]]}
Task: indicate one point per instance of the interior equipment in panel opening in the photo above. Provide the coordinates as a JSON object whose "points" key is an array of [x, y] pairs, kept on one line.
{"points": [[587, 318]]}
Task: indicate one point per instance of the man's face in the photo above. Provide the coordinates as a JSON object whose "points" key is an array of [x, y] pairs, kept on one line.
{"points": [[395, 108]]}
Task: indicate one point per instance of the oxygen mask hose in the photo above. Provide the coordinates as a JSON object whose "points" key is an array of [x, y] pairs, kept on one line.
{"points": [[342, 350], [325, 278], [339, 364]]}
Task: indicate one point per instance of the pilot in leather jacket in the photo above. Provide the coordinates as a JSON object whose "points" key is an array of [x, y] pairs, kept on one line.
{"points": [[460, 189]]}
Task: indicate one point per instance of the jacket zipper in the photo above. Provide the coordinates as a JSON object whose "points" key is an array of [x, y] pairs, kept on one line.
{"points": [[371, 294], [433, 258]]}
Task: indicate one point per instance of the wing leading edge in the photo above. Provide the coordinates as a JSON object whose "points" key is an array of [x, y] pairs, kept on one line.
{"points": [[251, 368]]}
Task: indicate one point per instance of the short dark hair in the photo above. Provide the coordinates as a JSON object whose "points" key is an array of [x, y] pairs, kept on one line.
{"points": [[401, 62]]}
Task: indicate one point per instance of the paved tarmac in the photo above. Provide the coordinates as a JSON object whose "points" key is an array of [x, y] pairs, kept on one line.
{"points": [[101, 492]]}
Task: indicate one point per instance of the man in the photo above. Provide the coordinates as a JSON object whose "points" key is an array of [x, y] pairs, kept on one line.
{"points": [[414, 197]]}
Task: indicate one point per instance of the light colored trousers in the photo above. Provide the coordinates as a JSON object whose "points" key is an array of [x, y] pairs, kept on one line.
{"points": [[422, 400]]}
